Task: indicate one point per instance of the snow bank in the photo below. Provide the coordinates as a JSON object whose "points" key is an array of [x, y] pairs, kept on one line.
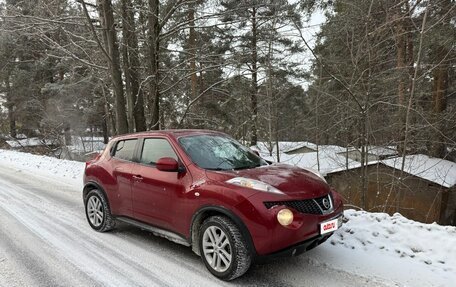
{"points": [[393, 247], [64, 171], [400, 237]]}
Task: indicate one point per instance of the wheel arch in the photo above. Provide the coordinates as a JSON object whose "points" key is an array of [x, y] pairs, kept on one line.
{"points": [[208, 211], [91, 185]]}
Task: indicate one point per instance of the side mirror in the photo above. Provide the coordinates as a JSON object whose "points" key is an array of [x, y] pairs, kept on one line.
{"points": [[167, 164]]}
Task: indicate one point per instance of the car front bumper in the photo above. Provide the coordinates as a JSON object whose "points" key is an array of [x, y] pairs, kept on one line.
{"points": [[294, 250], [271, 239]]}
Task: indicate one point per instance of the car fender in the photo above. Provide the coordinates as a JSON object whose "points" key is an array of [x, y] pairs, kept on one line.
{"points": [[92, 183]]}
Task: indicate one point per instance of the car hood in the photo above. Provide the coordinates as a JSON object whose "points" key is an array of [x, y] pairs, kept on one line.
{"points": [[288, 179]]}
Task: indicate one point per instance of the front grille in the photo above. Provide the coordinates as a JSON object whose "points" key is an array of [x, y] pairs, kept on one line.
{"points": [[309, 206], [320, 202]]}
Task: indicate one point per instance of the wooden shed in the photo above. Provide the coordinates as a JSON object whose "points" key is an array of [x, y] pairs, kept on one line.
{"points": [[425, 191]]}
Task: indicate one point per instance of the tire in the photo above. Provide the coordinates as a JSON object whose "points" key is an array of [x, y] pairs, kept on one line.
{"points": [[216, 248], [97, 211]]}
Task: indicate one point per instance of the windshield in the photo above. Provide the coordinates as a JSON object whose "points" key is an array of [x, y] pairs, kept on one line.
{"points": [[216, 152]]}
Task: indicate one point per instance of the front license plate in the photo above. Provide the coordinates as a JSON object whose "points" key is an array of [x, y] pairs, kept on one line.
{"points": [[329, 226]]}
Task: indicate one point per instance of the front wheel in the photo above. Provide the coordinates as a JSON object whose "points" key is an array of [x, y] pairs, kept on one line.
{"points": [[98, 212], [223, 248]]}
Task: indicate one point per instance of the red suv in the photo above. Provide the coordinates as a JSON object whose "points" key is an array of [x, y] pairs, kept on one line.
{"points": [[205, 190]]}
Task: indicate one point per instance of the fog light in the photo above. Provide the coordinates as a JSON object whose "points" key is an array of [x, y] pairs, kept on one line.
{"points": [[285, 217]]}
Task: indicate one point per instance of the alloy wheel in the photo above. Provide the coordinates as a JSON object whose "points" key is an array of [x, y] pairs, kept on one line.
{"points": [[217, 249], [95, 211]]}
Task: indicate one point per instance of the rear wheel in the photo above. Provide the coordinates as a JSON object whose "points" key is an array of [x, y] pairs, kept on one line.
{"points": [[223, 248], [98, 212]]}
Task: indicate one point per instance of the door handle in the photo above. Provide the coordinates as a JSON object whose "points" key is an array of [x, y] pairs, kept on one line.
{"points": [[137, 178]]}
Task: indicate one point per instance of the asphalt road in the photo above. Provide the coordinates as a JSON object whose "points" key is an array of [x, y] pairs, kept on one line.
{"points": [[46, 241]]}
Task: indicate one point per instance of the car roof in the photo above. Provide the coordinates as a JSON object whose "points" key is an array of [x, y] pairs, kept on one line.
{"points": [[176, 133]]}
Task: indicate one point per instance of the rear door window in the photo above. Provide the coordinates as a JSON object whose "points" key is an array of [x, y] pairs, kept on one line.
{"points": [[154, 149], [125, 149]]}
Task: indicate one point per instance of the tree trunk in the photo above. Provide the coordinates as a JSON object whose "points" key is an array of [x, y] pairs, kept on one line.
{"points": [[154, 46], [401, 46], [103, 117], [104, 128], [10, 107], [126, 71], [114, 65], [440, 85], [135, 94], [253, 95], [439, 103], [401, 56], [110, 120], [192, 51], [410, 40], [67, 134]]}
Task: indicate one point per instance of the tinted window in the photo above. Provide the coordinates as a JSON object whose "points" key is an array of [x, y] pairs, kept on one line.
{"points": [[154, 149], [219, 153], [125, 149]]}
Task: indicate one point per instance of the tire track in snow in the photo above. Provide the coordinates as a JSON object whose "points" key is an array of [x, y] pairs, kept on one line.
{"points": [[159, 261], [118, 267], [29, 261], [85, 256]]}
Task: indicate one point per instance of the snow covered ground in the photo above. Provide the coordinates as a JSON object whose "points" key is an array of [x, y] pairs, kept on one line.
{"points": [[44, 240], [68, 171], [394, 247]]}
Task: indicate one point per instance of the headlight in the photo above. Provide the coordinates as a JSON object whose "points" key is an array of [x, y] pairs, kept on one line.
{"points": [[285, 217], [253, 184], [317, 173]]}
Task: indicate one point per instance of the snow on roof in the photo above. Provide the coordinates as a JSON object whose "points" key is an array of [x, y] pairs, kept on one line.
{"points": [[331, 149], [325, 162], [355, 164], [374, 150], [264, 147], [381, 151], [21, 136], [437, 170], [284, 147], [298, 145], [315, 147]]}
